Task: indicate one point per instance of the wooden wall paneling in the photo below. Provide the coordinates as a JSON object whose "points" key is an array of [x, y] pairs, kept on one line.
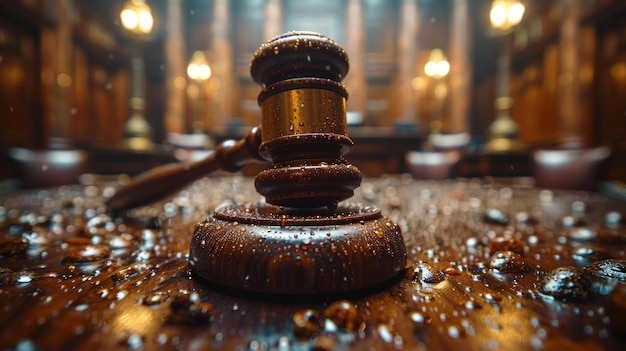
{"points": [[273, 21], [424, 90], [409, 22], [175, 68], [100, 101], [197, 23], [19, 86], [81, 126], [20, 78], [109, 105], [611, 83], [588, 46], [528, 104], [323, 16], [56, 58], [356, 38], [536, 69], [100, 56], [482, 108], [223, 101], [548, 130], [48, 82], [516, 92], [119, 83], [155, 94], [435, 32], [570, 116], [610, 88], [460, 68], [99, 107], [249, 31], [381, 18]]}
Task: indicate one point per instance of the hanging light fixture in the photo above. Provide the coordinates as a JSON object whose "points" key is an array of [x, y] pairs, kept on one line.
{"points": [[506, 14], [503, 133], [136, 17], [437, 65], [198, 68], [199, 71], [437, 68]]}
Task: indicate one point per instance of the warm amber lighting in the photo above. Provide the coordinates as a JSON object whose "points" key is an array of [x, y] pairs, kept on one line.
{"points": [[64, 80], [437, 65], [137, 17], [198, 68], [506, 14], [418, 83]]}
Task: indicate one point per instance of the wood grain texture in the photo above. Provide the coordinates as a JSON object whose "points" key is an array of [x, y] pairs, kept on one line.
{"points": [[84, 280]]}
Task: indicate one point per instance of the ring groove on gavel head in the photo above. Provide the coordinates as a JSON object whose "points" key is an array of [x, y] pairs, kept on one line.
{"points": [[303, 123]]}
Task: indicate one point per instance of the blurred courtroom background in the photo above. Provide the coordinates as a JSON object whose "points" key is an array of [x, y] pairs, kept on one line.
{"points": [[135, 84]]}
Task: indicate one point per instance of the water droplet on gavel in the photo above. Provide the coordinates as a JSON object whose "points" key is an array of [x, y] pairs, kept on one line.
{"points": [[579, 207], [283, 344], [506, 244], [452, 271], [305, 323], [103, 293], [425, 273], [387, 332], [29, 218], [471, 242], [343, 314], [135, 341], [99, 225], [508, 262], [472, 305], [148, 238], [546, 195], [566, 284], [617, 310], [613, 219], [570, 222], [16, 278], [492, 298], [589, 253], [13, 246], [18, 228], [455, 331], [609, 269], [87, 254], [524, 218], [419, 319], [496, 216], [154, 298], [120, 242], [130, 271], [582, 234], [187, 308]]}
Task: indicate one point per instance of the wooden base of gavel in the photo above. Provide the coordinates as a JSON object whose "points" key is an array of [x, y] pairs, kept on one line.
{"points": [[303, 240]]}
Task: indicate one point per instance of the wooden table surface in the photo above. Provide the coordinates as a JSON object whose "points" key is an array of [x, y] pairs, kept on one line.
{"points": [[491, 267]]}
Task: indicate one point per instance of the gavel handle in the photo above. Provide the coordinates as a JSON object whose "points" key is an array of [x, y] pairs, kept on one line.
{"points": [[161, 181]]}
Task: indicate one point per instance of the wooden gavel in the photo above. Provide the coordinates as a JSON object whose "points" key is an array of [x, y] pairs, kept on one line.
{"points": [[303, 132]]}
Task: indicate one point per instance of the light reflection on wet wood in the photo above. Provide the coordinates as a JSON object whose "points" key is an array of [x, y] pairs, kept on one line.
{"points": [[145, 296]]}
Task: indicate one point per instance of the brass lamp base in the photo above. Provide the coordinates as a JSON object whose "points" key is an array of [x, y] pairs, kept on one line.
{"points": [[267, 249]]}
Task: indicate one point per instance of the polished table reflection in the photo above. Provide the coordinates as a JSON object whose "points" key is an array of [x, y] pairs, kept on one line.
{"points": [[491, 267]]}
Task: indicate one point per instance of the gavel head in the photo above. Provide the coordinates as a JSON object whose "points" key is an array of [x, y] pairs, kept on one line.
{"points": [[303, 125]]}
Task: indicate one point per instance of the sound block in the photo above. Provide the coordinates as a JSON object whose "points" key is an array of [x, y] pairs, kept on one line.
{"points": [[269, 249]]}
